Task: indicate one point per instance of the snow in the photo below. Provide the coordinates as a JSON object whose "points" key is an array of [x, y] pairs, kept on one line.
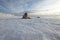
{"points": [[7, 15], [30, 29]]}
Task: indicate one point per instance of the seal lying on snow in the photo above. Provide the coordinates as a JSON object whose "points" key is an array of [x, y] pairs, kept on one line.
{"points": [[25, 16]]}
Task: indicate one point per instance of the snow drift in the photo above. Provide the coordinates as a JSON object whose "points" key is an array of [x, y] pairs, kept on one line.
{"points": [[30, 29], [5, 15]]}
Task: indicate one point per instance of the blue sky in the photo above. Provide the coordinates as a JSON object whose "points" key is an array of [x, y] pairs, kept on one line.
{"points": [[16, 6], [40, 6]]}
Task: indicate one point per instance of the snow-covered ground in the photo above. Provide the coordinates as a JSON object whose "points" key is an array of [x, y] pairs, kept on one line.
{"points": [[29, 29]]}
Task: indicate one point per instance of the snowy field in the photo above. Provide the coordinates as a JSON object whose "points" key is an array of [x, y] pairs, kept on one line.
{"points": [[29, 29]]}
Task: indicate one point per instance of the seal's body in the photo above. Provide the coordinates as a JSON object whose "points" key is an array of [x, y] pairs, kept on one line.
{"points": [[25, 16]]}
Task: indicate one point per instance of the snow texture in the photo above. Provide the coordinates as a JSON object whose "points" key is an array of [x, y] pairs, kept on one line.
{"points": [[30, 29]]}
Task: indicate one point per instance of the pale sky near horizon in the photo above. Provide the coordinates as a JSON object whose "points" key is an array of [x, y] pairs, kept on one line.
{"points": [[40, 6]]}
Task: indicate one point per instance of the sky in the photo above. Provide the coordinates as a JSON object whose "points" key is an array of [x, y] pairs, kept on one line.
{"points": [[38, 6]]}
